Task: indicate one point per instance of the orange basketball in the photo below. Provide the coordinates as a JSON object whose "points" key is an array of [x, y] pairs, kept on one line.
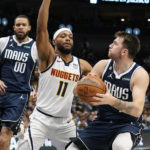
{"points": [[88, 86]]}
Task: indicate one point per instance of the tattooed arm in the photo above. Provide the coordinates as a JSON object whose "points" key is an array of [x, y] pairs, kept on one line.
{"points": [[123, 106], [139, 84]]}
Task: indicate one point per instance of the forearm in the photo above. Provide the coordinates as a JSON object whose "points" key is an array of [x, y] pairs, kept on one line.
{"points": [[127, 107], [43, 15]]}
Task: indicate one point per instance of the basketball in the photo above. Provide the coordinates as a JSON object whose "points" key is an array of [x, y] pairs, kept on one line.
{"points": [[88, 86]]}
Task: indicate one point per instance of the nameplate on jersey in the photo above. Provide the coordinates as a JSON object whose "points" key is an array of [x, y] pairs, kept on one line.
{"points": [[117, 91], [20, 58], [15, 55], [64, 75]]}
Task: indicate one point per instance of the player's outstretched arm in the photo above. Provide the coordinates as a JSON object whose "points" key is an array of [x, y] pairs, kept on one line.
{"points": [[45, 50]]}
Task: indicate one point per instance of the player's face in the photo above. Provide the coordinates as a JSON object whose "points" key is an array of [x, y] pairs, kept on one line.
{"points": [[64, 42], [115, 48], [21, 28]]}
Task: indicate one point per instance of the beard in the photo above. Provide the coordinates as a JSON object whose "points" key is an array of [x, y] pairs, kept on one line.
{"points": [[64, 50], [114, 56], [21, 37]]}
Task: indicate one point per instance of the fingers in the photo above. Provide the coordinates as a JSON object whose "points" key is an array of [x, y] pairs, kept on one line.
{"points": [[99, 95], [34, 96], [2, 87], [2, 91], [94, 103], [107, 90]]}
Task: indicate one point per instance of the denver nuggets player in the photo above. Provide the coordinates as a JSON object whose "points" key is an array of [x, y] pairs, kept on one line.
{"points": [[18, 56], [118, 125], [60, 72]]}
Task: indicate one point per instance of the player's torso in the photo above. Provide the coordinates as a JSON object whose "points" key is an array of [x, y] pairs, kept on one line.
{"points": [[17, 65], [56, 84], [119, 86]]}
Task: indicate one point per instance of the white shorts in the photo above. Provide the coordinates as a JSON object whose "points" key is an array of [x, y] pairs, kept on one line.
{"points": [[58, 130]]}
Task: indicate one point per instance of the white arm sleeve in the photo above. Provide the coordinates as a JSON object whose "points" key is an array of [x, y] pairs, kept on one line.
{"points": [[3, 43]]}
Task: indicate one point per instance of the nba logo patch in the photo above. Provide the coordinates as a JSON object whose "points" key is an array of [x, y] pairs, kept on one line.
{"points": [[110, 68], [75, 66], [11, 45]]}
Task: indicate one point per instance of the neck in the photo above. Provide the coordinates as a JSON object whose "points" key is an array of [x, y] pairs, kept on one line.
{"points": [[122, 66], [65, 57], [23, 40]]}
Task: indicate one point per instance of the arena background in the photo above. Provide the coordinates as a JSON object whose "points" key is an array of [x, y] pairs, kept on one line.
{"points": [[93, 26]]}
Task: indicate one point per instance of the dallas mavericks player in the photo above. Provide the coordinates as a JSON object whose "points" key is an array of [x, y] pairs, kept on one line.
{"points": [[118, 125], [18, 55], [60, 72]]}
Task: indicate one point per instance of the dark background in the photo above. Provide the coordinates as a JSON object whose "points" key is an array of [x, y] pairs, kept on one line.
{"points": [[93, 25]]}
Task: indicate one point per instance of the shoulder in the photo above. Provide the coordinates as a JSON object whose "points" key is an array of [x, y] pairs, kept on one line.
{"points": [[140, 77], [140, 73], [83, 62], [100, 66], [102, 63], [85, 66]]}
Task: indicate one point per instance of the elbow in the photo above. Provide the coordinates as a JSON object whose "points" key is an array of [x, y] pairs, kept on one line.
{"points": [[137, 111]]}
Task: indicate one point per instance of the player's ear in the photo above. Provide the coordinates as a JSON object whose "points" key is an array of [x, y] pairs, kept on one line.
{"points": [[29, 28], [13, 27], [54, 42], [124, 51]]}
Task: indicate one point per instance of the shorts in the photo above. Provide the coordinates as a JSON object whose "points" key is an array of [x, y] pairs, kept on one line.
{"points": [[41, 127], [99, 135], [12, 106]]}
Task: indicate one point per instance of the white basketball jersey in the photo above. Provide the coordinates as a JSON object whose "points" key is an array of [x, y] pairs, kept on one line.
{"points": [[56, 84]]}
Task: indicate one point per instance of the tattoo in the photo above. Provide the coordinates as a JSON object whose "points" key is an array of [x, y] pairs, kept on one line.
{"points": [[129, 109], [122, 106]]}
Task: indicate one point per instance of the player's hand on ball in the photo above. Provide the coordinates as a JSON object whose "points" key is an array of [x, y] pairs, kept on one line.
{"points": [[103, 99], [88, 86]]}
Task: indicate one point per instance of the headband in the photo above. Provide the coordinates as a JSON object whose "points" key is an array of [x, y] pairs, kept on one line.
{"points": [[59, 31]]}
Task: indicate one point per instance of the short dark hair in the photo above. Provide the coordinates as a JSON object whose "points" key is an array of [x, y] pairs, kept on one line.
{"points": [[131, 42], [22, 16]]}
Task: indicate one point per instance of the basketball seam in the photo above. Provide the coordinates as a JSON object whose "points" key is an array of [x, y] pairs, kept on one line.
{"points": [[92, 86]]}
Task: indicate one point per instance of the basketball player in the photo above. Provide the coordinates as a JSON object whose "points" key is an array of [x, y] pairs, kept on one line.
{"points": [[18, 55], [118, 125], [60, 72]]}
